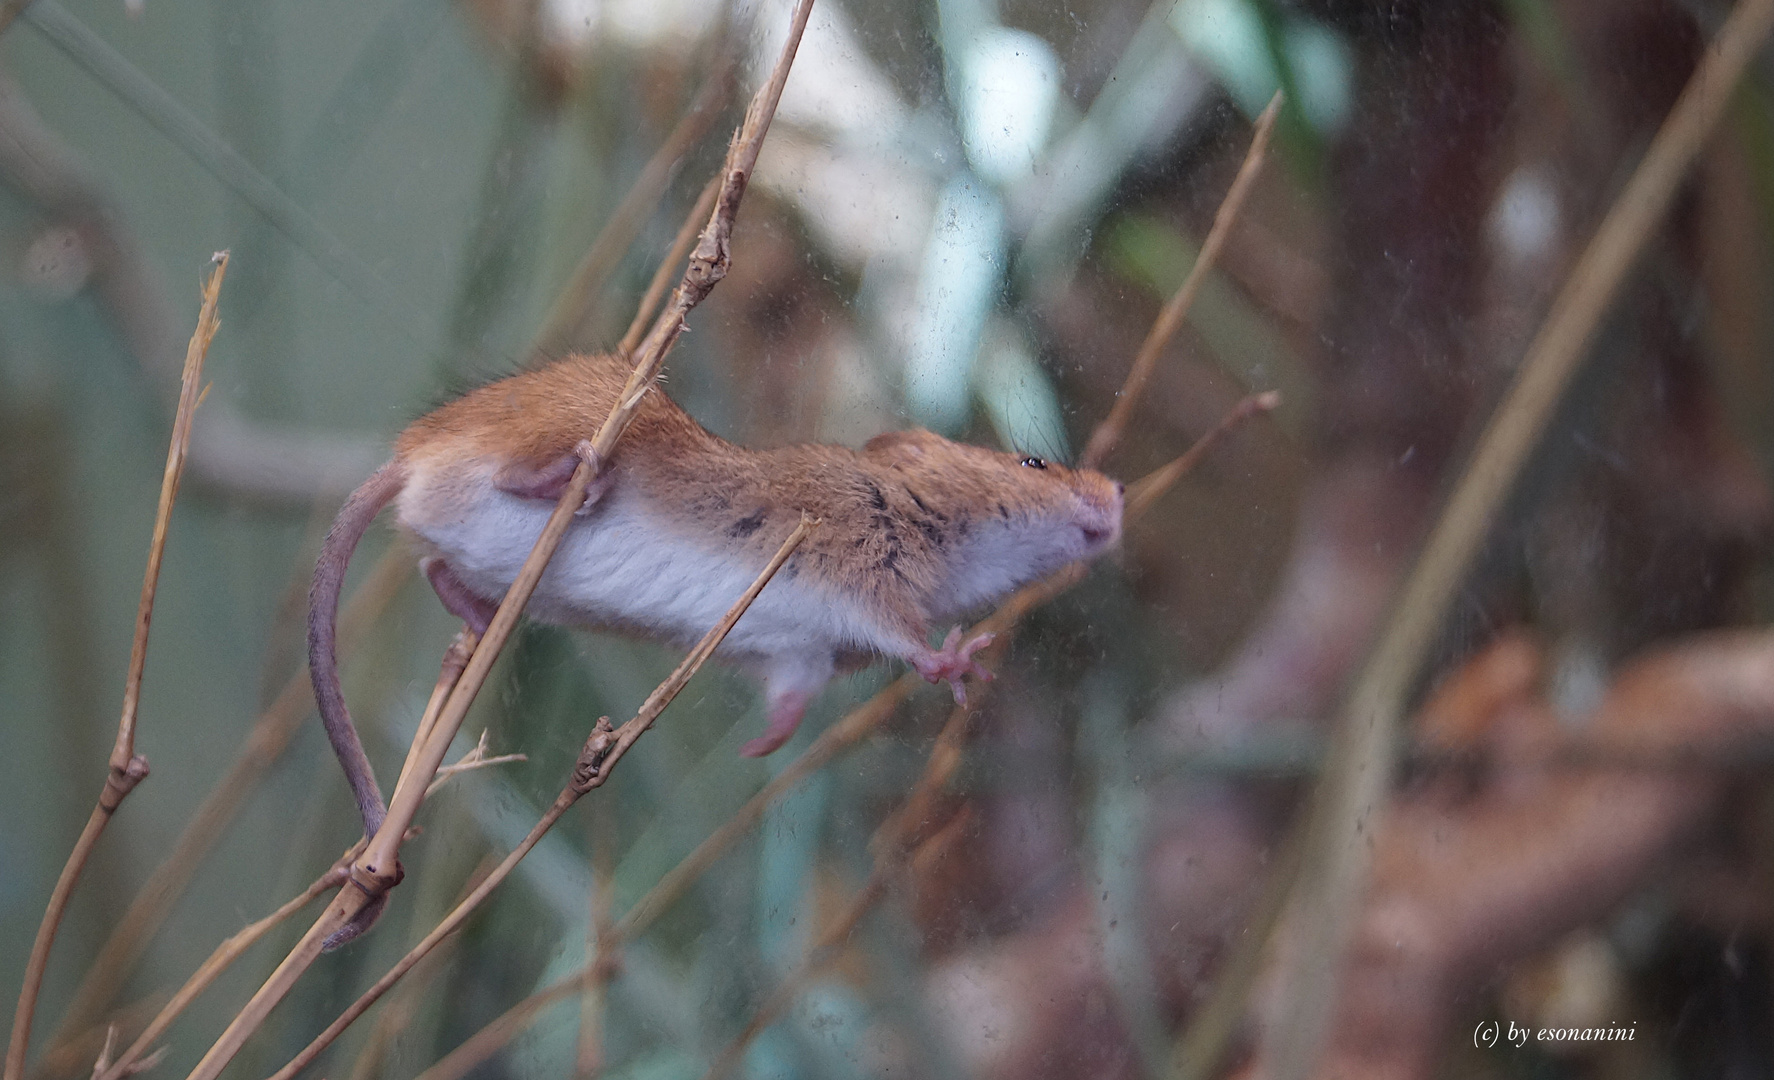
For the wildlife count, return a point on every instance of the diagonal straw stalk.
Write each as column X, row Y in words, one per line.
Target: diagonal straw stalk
column 603, row 749
column 377, row 869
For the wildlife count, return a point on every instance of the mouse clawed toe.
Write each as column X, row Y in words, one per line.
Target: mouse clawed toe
column 954, row 661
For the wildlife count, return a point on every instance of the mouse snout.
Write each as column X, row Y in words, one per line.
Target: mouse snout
column 1100, row 515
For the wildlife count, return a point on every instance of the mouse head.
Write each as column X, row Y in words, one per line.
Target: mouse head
column 1042, row 512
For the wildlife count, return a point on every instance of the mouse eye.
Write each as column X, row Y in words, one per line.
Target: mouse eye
column 1032, row 462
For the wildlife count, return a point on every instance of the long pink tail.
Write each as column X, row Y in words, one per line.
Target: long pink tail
column 323, row 615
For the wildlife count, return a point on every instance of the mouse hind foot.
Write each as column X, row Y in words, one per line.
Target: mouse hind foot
column 954, row 661
column 549, row 481
column 458, row 599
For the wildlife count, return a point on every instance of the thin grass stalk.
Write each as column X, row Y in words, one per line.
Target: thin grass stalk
column 1151, row 487
column 1362, row 762
column 455, row 660
column 270, row 736
column 566, row 319
column 680, row 247
column 588, row 1055
column 127, row 768
column 712, row 257
column 401, row 1010
column 236, row 946
column 1170, row 319
column 219, row 961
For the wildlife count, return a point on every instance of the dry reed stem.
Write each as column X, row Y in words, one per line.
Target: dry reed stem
column 680, row 247
column 1108, row 433
column 600, row 944
column 236, row 946
column 709, row 262
column 455, row 660
column 1360, row 770
column 270, row 736
column 604, row 747
column 72, row 1057
column 1150, row 488
column 219, row 961
column 404, row 1006
column 377, row 870
column 852, row 728
column 127, row 768
column 567, row 318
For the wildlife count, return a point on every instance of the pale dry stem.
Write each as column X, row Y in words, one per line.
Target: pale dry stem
column 566, row 320
column 403, row 1007
column 709, row 262
column 270, row 736
column 127, row 768
column 1360, row 771
column 236, row 946
column 680, row 247
column 219, row 961
column 1108, row 433
column 603, row 749
column 449, row 672
column 1150, row 488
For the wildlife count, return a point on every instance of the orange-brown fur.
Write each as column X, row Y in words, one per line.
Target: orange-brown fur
column 887, row 512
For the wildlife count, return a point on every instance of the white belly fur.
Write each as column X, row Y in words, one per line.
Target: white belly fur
column 617, row 566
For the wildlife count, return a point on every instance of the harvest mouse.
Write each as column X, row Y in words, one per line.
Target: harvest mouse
column 914, row 530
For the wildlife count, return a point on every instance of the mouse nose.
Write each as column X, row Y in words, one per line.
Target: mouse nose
column 1120, row 488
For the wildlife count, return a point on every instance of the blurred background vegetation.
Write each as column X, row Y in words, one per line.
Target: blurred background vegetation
column 966, row 217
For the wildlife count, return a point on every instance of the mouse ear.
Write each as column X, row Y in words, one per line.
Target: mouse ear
column 898, row 445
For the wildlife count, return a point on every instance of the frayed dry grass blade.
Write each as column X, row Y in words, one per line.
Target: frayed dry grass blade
column 127, row 768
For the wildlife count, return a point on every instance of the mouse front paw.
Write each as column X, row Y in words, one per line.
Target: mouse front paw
column 953, row 662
